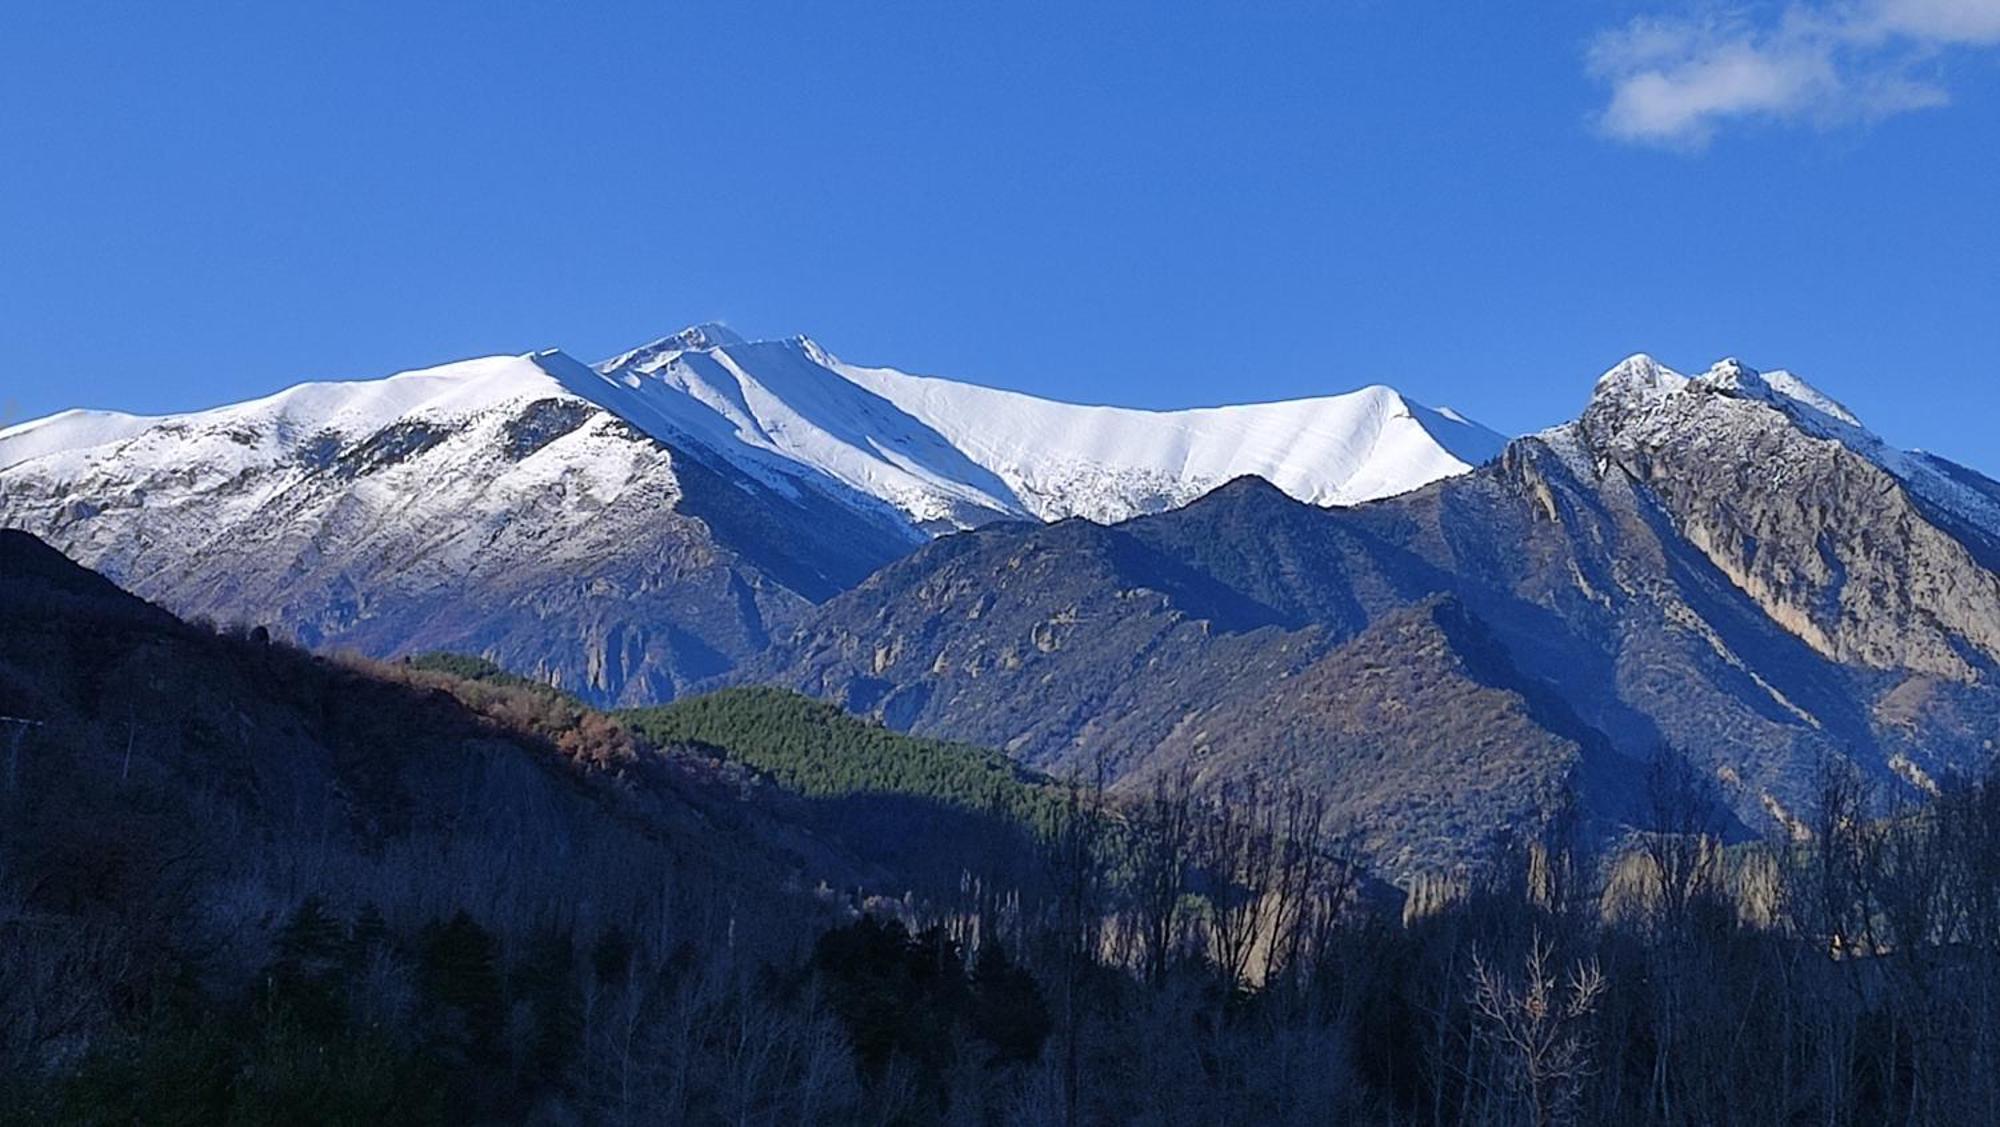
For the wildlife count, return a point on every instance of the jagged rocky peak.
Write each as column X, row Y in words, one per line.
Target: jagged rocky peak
column 1641, row 389
column 1641, row 380
column 1868, row 554
column 1732, row 376
column 1798, row 399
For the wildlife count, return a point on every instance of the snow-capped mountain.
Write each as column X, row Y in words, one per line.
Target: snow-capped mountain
column 1647, row 397
column 629, row 528
column 1728, row 563
column 1870, row 555
column 508, row 506
column 951, row 454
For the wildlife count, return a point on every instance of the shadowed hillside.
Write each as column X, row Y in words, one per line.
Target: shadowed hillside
column 360, row 882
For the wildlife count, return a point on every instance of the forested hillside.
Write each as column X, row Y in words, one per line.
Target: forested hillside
column 817, row 750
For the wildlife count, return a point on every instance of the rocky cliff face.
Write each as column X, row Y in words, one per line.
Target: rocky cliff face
column 1851, row 549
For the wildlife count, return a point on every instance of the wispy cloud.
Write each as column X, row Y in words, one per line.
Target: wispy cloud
column 1675, row 80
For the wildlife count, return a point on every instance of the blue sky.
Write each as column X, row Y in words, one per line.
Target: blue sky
column 1482, row 204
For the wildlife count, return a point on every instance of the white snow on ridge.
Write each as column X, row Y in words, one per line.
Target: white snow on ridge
column 917, row 453
column 1108, row 463
column 425, row 467
column 259, row 430
column 1803, row 393
column 951, row 454
column 1638, row 377
column 1640, row 383
column 772, row 405
column 931, row 452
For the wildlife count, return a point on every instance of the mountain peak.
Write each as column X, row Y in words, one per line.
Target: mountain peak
column 1802, row 402
column 702, row 337
column 1641, row 408
column 1639, row 382
column 814, row 351
column 1638, row 376
column 707, row 334
column 1730, row 369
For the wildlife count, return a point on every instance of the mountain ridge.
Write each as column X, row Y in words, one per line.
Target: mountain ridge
column 624, row 530
column 1703, row 567
column 1728, row 565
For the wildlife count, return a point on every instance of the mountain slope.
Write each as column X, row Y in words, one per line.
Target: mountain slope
column 1721, row 565
column 496, row 506
column 241, row 883
column 1418, row 733
column 1866, row 554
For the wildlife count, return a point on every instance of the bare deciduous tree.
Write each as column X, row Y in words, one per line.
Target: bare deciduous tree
column 1162, row 849
column 1539, row 1028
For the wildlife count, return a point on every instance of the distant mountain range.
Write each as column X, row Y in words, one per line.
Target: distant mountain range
column 1442, row 632
column 629, row 529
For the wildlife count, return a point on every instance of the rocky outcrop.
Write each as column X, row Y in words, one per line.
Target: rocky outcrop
column 1803, row 511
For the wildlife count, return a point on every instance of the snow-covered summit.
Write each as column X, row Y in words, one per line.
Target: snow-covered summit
column 708, row 334
column 1641, row 401
column 950, row 454
column 262, row 431
column 1640, row 379
column 1637, row 377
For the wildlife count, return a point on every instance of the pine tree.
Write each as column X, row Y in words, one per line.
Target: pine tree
column 1007, row 1010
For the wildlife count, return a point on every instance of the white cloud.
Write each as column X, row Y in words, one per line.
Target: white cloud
column 1675, row 80
column 1975, row 22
